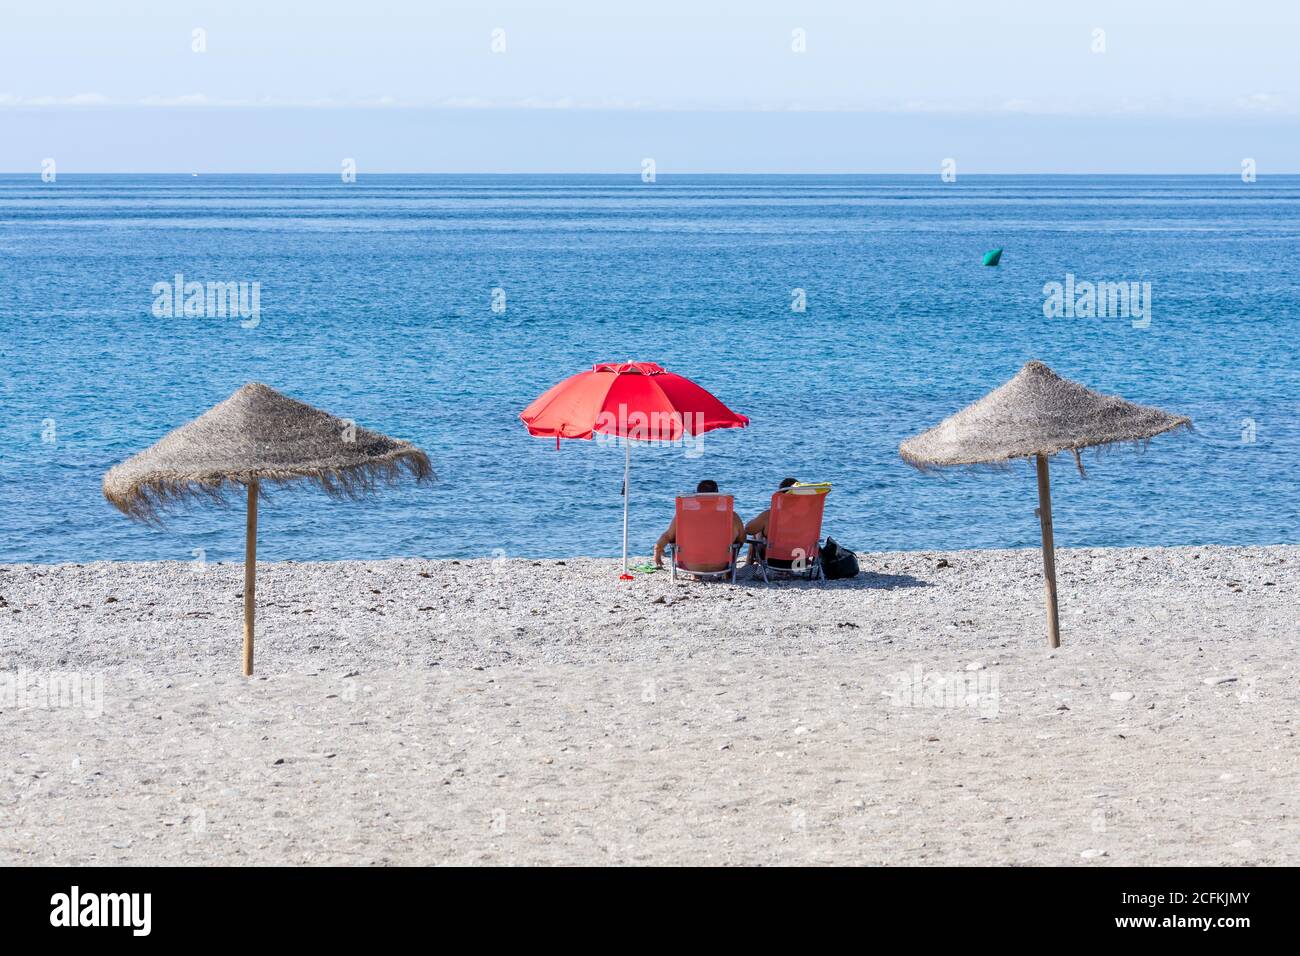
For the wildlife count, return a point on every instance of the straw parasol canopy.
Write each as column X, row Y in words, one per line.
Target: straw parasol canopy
column 1036, row 415
column 258, row 435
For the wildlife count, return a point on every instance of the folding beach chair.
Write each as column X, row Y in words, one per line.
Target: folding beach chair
column 794, row 530
column 706, row 535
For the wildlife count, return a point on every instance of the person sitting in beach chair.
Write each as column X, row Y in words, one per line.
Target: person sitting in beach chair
column 705, row 535
column 787, row 537
column 757, row 527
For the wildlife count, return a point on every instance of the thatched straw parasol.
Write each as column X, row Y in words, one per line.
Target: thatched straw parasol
column 258, row 435
column 1036, row 415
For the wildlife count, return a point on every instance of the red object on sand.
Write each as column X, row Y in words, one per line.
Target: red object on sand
column 706, row 534
column 794, row 531
column 636, row 401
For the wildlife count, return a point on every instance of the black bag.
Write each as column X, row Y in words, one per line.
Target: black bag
column 838, row 562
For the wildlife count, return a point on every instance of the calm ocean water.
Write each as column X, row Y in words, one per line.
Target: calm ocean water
column 375, row 304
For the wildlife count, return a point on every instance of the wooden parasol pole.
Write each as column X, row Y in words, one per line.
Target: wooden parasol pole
column 250, row 576
column 627, row 471
column 1049, row 551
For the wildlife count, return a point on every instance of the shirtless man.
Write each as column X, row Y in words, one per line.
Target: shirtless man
column 706, row 487
column 757, row 528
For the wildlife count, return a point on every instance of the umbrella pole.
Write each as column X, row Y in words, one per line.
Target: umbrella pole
column 627, row 470
column 250, row 576
column 1049, row 551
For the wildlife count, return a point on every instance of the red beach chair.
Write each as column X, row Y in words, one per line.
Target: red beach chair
column 706, row 536
column 794, row 532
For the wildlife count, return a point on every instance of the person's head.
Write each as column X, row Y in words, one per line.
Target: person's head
column 707, row 487
column 788, row 483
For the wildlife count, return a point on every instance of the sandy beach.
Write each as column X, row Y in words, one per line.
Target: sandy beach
column 520, row 711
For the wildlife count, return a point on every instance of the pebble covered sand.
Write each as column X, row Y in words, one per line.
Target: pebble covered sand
column 518, row 711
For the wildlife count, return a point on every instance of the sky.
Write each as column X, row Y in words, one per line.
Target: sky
column 586, row 86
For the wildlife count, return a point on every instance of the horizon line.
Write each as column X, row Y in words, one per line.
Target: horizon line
column 805, row 174
column 333, row 175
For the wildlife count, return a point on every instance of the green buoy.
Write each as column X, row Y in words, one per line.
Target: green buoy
column 991, row 258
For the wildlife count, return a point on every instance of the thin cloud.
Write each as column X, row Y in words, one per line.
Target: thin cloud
column 78, row 99
column 1251, row 104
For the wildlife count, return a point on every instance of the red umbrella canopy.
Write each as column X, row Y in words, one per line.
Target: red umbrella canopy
column 636, row 400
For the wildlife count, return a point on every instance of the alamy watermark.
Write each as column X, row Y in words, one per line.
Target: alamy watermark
column 75, row 908
column 665, row 429
column 975, row 690
column 1084, row 299
column 49, row 690
column 208, row 300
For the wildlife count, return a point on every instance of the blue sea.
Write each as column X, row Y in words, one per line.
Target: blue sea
column 376, row 303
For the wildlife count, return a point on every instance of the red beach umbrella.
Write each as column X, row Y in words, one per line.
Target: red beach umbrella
column 636, row 401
